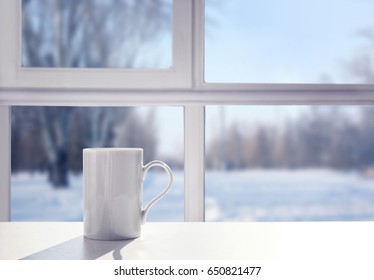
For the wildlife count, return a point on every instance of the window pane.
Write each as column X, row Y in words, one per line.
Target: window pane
column 290, row 163
column 290, row 41
column 47, row 143
column 99, row 34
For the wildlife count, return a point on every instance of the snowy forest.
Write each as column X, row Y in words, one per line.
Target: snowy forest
column 332, row 137
column 51, row 139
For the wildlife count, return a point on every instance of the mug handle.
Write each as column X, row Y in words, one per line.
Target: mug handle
column 167, row 188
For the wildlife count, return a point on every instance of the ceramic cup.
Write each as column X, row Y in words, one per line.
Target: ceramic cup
column 113, row 192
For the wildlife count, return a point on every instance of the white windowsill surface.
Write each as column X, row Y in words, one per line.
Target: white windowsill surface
column 192, row 241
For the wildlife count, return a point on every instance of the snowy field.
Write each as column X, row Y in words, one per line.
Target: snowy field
column 263, row 195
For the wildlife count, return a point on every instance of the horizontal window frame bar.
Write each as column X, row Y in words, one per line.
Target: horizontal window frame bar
column 135, row 97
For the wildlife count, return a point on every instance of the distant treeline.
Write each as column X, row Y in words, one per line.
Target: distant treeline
column 326, row 136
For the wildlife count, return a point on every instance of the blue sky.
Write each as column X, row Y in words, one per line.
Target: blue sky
column 289, row 41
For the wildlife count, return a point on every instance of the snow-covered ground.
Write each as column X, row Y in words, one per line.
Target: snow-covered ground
column 304, row 195
column 33, row 199
column 259, row 195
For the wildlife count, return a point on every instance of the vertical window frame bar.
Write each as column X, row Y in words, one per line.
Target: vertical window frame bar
column 198, row 44
column 5, row 169
column 194, row 163
column 194, row 126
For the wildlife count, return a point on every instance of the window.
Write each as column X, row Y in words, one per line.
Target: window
column 190, row 81
column 289, row 163
column 47, row 143
column 61, row 63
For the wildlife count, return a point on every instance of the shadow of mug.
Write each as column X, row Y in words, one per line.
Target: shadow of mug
column 81, row 248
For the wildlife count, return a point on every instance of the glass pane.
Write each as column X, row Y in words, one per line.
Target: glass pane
column 47, row 143
column 99, row 34
column 290, row 163
column 289, row 41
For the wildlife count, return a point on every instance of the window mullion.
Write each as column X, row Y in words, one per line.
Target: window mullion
column 194, row 127
column 5, row 126
column 194, row 162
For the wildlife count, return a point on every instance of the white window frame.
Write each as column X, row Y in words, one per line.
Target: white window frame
column 183, row 85
column 13, row 75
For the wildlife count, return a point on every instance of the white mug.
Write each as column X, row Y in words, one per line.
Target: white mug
column 113, row 192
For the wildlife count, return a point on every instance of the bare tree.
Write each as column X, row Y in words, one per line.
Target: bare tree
column 27, row 149
column 361, row 65
column 139, row 133
column 56, row 125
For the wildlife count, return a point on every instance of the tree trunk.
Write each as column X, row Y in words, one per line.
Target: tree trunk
column 58, row 170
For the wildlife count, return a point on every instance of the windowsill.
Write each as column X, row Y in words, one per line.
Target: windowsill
column 265, row 241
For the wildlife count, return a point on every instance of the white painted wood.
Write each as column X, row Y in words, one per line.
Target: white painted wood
column 194, row 162
column 8, row 39
column 97, row 97
column 198, row 43
column 4, row 163
column 194, row 129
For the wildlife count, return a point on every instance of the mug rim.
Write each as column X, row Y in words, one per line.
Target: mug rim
column 112, row 149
